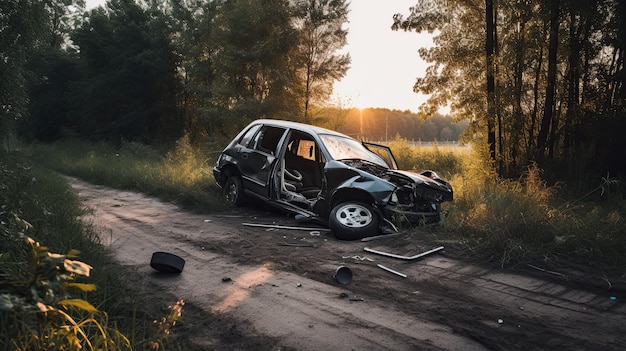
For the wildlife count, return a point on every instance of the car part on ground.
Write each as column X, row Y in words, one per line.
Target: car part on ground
column 409, row 258
column 167, row 262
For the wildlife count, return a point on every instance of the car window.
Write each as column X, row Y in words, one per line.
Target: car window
column 247, row 137
column 306, row 149
column 267, row 139
column 342, row 148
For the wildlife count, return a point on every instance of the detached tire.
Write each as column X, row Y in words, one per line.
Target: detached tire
column 167, row 262
column 233, row 192
column 353, row 220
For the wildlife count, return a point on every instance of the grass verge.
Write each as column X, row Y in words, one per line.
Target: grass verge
column 59, row 289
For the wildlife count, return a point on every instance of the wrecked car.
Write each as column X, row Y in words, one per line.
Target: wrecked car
column 353, row 187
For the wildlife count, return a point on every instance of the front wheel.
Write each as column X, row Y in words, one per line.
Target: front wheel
column 233, row 191
column 353, row 220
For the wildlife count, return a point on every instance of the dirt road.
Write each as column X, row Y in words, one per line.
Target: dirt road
column 273, row 289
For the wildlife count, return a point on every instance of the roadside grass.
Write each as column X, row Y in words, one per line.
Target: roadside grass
column 50, row 263
column 182, row 175
column 525, row 222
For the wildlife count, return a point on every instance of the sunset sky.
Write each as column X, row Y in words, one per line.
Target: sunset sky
column 385, row 63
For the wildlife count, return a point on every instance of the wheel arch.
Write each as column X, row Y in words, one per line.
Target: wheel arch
column 228, row 171
column 351, row 194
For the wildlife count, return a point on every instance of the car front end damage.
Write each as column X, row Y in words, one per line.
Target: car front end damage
column 401, row 197
column 417, row 197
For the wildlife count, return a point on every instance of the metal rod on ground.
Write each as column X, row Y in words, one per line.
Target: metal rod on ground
column 391, row 270
column 283, row 227
column 386, row 236
column 404, row 257
column 296, row 244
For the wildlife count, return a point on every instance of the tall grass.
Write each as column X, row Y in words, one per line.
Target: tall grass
column 183, row 174
column 524, row 221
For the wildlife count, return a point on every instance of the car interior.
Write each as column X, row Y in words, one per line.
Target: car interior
column 302, row 166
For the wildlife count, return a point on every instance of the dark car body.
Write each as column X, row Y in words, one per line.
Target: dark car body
column 354, row 187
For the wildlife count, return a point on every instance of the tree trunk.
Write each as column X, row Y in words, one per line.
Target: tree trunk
column 573, row 76
column 490, row 29
column 551, row 82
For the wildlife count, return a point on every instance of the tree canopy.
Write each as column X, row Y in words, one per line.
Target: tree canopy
column 557, row 79
column 151, row 70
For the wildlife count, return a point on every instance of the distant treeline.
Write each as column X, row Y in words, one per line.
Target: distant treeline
column 379, row 124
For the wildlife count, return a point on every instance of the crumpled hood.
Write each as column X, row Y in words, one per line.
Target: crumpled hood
column 428, row 180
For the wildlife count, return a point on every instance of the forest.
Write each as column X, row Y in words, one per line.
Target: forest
column 535, row 81
column 541, row 81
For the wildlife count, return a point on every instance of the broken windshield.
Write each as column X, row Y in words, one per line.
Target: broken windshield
column 342, row 148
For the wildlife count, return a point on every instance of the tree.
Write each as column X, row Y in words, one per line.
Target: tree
column 490, row 33
column 253, row 40
column 557, row 95
column 320, row 23
column 129, row 85
column 192, row 35
column 548, row 113
column 26, row 27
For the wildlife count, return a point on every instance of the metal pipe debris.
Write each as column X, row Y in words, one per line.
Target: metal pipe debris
column 283, row 227
column 404, row 257
column 385, row 236
column 391, row 270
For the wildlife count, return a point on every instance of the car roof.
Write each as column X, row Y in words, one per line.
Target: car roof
column 299, row 126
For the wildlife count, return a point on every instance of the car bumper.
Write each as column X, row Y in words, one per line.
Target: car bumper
column 217, row 174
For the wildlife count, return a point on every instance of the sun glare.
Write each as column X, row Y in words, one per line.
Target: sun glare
column 241, row 288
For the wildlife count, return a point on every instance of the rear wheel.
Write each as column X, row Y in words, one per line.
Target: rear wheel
column 353, row 220
column 233, row 191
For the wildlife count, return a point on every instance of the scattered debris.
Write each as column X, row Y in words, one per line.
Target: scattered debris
column 167, row 262
column 359, row 258
column 546, row 271
column 226, row 279
column 343, row 275
column 207, row 221
column 297, row 244
column 357, row 299
column 276, row 226
column 404, row 257
column 391, row 270
column 386, row 236
column 315, row 233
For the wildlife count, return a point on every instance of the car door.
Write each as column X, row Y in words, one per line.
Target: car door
column 258, row 159
column 383, row 152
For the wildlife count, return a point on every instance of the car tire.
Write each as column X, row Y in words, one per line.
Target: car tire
column 167, row 262
column 233, row 191
column 353, row 220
